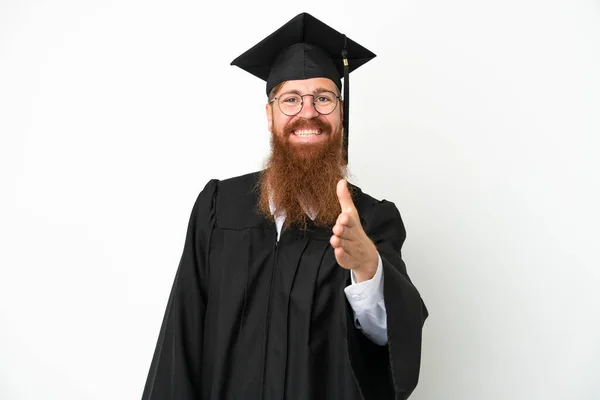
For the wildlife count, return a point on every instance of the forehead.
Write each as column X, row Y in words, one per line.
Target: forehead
column 309, row 85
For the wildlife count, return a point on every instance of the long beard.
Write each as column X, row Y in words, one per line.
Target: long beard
column 301, row 178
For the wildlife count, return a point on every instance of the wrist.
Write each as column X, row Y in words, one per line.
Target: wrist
column 366, row 271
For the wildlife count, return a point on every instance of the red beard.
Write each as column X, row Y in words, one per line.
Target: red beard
column 302, row 177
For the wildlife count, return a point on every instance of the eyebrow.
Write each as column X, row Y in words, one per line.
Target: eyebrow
column 317, row 90
column 323, row 89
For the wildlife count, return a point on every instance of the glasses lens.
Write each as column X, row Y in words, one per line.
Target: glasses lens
column 325, row 102
column 290, row 103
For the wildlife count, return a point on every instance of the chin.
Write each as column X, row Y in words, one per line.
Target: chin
column 307, row 150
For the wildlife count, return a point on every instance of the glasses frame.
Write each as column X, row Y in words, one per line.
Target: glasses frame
column 338, row 98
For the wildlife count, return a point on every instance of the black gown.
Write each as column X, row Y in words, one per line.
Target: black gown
column 252, row 318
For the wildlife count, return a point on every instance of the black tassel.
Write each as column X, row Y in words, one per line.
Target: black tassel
column 346, row 101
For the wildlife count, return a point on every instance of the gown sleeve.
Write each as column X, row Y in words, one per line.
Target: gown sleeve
column 366, row 300
column 175, row 368
column 390, row 371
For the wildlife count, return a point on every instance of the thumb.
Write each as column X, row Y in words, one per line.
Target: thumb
column 344, row 196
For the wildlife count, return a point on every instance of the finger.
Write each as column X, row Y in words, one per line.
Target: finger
column 338, row 230
column 346, row 219
column 344, row 196
column 342, row 257
column 335, row 241
column 344, row 232
column 339, row 243
column 339, row 255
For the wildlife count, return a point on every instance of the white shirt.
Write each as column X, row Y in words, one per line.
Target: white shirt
column 365, row 298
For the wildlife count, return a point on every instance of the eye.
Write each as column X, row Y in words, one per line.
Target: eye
column 290, row 99
column 324, row 98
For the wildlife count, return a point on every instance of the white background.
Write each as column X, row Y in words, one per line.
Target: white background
column 479, row 119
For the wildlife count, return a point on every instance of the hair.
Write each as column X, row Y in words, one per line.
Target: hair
column 274, row 91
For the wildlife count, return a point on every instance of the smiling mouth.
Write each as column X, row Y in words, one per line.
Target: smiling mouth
column 307, row 132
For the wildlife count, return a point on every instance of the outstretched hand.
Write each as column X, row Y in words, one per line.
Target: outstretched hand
column 352, row 247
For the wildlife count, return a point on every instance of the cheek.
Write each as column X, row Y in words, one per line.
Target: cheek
column 279, row 123
column 335, row 122
column 335, row 118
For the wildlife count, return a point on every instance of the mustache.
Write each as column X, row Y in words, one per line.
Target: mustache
column 324, row 126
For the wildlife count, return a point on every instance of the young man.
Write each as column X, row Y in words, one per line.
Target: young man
column 291, row 284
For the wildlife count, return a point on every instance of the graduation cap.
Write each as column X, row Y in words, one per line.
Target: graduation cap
column 306, row 48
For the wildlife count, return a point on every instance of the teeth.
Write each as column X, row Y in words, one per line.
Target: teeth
column 308, row 132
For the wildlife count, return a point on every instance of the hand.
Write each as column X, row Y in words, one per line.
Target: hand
column 352, row 247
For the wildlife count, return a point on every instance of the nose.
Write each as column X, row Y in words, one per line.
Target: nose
column 308, row 108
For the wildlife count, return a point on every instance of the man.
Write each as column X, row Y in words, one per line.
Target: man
column 291, row 284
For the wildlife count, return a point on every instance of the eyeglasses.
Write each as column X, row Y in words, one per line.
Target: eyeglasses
column 291, row 103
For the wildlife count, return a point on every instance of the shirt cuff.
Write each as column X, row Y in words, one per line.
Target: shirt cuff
column 366, row 294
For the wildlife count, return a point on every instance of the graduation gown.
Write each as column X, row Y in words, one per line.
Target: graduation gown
column 250, row 317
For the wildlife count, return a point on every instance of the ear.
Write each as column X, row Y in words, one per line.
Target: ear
column 269, row 111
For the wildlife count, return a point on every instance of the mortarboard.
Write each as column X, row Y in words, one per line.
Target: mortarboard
column 306, row 48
